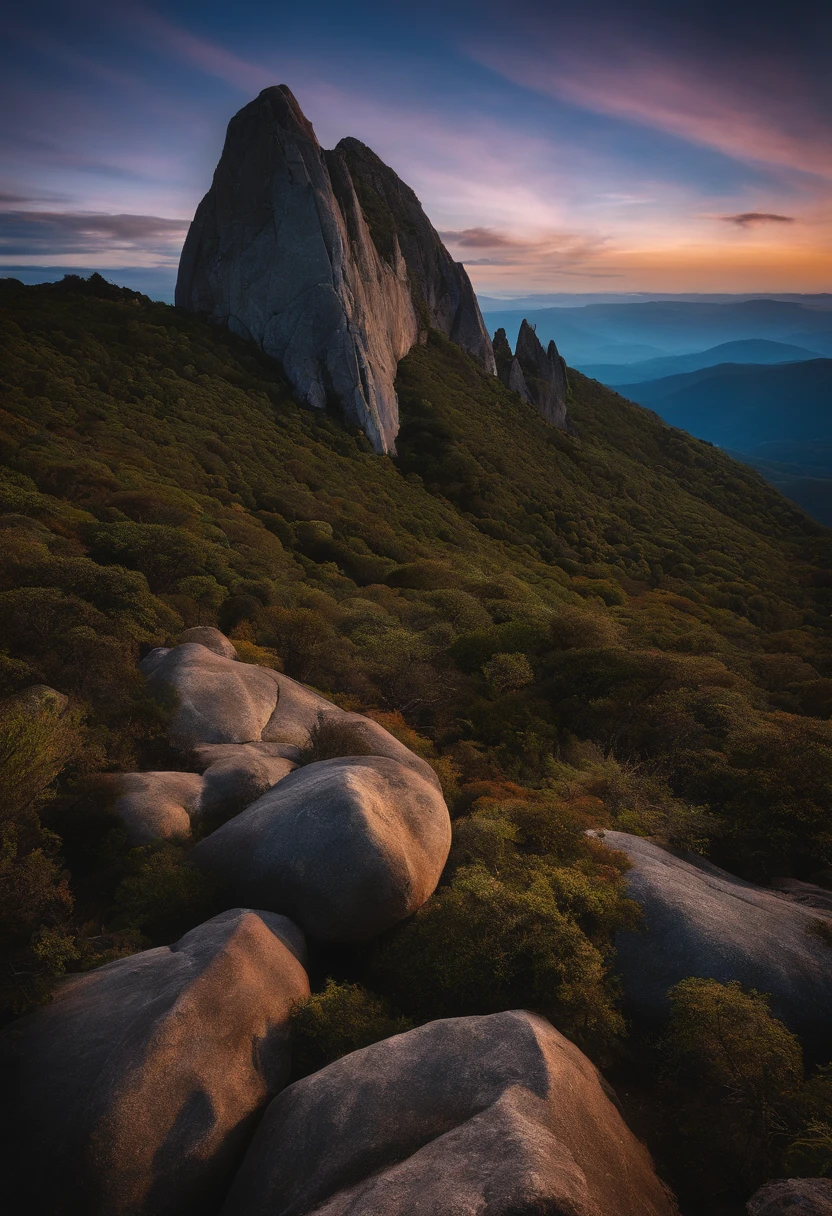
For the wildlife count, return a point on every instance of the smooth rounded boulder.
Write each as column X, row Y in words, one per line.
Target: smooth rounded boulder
column 157, row 806
column 346, row 847
column 701, row 921
column 238, row 775
column 218, row 699
column 793, row 1197
column 135, row 1091
column 212, row 639
column 498, row 1115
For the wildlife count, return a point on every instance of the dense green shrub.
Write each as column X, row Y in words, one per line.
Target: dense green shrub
column 733, row 1073
column 342, row 1018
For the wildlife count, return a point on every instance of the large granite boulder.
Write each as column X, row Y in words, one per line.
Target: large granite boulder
column 222, row 702
column 346, row 847
column 219, row 700
column 136, row 1090
column 806, row 893
column 237, row 775
column 212, row 639
column 701, row 921
column 281, row 251
column 158, row 806
column 793, row 1197
column 496, row 1115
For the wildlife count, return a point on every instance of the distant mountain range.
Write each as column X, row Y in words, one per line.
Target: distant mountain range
column 778, row 419
column 629, row 333
column 750, row 350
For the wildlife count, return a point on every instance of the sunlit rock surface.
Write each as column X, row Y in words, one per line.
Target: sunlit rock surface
column 325, row 260
column 499, row 1115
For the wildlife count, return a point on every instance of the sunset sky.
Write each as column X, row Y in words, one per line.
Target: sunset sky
column 595, row 147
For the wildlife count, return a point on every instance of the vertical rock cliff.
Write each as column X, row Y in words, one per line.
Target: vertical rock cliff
column 538, row 376
column 327, row 261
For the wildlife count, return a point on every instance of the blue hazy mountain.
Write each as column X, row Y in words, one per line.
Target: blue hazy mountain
column 629, row 333
column 776, row 418
column 749, row 350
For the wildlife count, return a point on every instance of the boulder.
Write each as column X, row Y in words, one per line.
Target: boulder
column 793, row 1197
column 701, row 921
column 218, row 699
column 806, row 893
column 233, row 781
column 136, row 1090
column 498, row 1115
column 158, row 806
column 212, row 639
column 346, row 847
column 325, row 260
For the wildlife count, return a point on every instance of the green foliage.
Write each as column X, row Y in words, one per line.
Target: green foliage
column 732, row 1071
column 37, row 739
column 331, row 737
column 525, row 920
column 342, row 1018
column 164, row 895
column 508, row 672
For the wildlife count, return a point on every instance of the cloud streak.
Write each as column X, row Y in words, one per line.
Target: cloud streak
column 726, row 110
column 50, row 233
column 750, row 219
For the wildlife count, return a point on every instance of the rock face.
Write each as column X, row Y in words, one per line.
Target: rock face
column 326, row 261
column 806, row 893
column 496, row 1115
column 136, row 1089
column 347, row 847
column 212, row 639
column 220, row 700
column 158, row 806
column 238, row 775
column 702, row 921
column 538, row 376
column 793, row 1197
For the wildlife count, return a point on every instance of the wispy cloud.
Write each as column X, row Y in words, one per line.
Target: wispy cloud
column 49, row 233
column 723, row 110
column 539, row 255
column 750, row 219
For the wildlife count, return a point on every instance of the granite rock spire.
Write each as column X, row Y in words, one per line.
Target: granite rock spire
column 326, row 261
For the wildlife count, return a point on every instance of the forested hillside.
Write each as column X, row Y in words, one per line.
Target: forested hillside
column 618, row 627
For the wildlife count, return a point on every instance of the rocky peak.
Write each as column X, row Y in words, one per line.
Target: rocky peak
column 327, row 261
column 538, row 376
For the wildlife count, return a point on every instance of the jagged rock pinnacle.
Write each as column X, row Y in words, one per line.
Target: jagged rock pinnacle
column 538, row 376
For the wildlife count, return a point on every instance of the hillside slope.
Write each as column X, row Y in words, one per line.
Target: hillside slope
column 620, row 627
column 641, row 590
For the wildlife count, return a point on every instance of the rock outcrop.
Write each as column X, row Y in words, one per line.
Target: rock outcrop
column 222, row 702
column 219, row 700
column 346, row 847
column 136, row 1089
column 538, row 376
column 793, row 1197
column 325, row 260
column 806, row 893
column 158, row 806
column 498, row 1115
column 237, row 775
column 701, row 921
